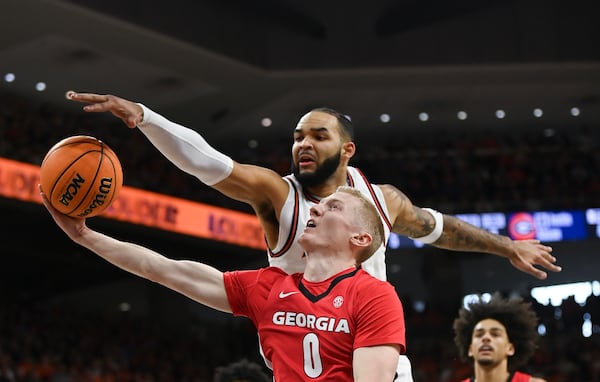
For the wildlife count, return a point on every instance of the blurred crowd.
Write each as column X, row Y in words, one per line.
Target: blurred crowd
column 479, row 171
column 48, row 343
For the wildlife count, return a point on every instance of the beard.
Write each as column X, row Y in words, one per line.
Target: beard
column 486, row 362
column 323, row 172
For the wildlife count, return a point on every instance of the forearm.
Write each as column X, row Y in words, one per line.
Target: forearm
column 130, row 257
column 199, row 282
column 461, row 236
column 376, row 363
column 185, row 148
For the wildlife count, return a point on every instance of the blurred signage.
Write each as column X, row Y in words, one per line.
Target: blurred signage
column 546, row 226
column 20, row 181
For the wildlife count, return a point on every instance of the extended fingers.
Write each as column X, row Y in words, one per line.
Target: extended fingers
column 87, row 97
column 538, row 273
column 547, row 261
column 534, row 255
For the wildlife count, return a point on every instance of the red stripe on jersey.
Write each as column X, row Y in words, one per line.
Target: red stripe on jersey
column 290, row 240
column 376, row 200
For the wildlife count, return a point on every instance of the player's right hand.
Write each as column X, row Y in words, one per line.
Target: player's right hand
column 129, row 112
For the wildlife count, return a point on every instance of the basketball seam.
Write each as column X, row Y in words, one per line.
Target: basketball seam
column 101, row 151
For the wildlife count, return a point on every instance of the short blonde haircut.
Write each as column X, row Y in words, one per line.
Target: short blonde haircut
column 368, row 219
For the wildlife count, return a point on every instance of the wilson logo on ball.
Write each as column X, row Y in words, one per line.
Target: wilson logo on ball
column 98, row 202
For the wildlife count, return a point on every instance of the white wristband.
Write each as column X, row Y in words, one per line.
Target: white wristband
column 185, row 148
column 438, row 229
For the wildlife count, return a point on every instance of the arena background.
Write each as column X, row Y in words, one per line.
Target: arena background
column 221, row 67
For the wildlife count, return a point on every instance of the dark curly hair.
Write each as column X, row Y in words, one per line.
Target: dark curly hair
column 515, row 314
column 241, row 371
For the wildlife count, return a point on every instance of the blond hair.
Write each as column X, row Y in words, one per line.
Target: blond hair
column 367, row 218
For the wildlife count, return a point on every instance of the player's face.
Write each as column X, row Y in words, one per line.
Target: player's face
column 490, row 344
column 331, row 223
column 317, row 149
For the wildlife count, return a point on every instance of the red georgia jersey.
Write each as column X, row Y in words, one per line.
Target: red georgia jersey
column 310, row 330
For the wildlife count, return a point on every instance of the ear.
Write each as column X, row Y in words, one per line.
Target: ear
column 470, row 352
column 510, row 351
column 361, row 239
column 348, row 149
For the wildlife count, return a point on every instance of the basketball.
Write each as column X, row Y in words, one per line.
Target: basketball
column 81, row 176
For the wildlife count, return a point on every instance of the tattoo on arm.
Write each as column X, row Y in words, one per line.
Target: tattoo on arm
column 410, row 220
column 459, row 235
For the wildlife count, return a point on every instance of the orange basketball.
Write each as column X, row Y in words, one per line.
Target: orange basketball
column 81, row 176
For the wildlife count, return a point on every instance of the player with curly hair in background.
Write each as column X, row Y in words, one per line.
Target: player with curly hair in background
column 498, row 336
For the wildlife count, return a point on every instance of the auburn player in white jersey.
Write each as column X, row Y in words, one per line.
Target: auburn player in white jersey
column 334, row 322
column 323, row 146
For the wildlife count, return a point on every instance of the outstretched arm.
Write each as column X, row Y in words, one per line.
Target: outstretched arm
column 189, row 151
column 197, row 281
column 412, row 221
column 263, row 189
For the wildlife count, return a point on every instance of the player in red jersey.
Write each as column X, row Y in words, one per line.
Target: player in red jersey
column 499, row 336
column 334, row 322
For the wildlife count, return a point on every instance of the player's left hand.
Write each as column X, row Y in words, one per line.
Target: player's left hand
column 530, row 253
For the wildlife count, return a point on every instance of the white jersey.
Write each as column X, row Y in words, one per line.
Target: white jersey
column 289, row 256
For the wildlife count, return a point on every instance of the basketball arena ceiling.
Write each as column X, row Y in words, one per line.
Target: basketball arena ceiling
column 221, row 66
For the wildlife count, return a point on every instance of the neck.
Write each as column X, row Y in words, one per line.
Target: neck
column 319, row 268
column 497, row 373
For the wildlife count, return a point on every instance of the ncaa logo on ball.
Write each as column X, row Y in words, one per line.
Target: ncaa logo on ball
column 72, row 189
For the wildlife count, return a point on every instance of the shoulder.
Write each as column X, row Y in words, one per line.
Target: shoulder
column 372, row 285
column 274, row 272
column 391, row 191
column 362, row 274
column 256, row 275
column 519, row 376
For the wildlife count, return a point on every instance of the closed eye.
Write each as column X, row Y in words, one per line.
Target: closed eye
column 335, row 206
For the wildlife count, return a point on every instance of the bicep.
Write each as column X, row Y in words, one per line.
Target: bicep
column 407, row 219
column 254, row 185
column 375, row 363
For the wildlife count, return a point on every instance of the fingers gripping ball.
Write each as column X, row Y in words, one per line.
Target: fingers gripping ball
column 81, row 176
